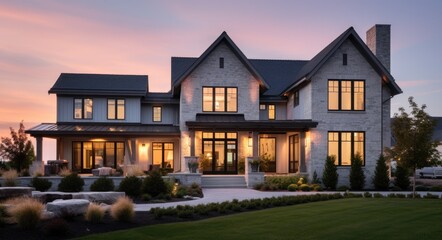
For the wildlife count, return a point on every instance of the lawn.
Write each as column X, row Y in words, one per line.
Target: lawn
column 355, row 218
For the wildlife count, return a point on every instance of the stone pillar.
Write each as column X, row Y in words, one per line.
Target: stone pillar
column 37, row 167
column 192, row 142
column 255, row 144
column 39, row 148
column 302, row 165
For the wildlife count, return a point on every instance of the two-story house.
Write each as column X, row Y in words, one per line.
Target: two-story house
column 226, row 107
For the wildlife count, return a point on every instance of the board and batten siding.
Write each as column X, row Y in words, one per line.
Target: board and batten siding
column 65, row 110
column 169, row 114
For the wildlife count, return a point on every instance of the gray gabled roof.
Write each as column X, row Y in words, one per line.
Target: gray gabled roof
column 223, row 38
column 100, row 84
column 318, row 61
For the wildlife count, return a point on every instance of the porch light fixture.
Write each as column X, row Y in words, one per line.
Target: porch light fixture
column 250, row 139
column 143, row 145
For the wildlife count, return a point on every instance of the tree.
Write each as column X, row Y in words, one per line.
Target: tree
column 413, row 133
column 18, row 149
column 330, row 174
column 357, row 177
column 381, row 181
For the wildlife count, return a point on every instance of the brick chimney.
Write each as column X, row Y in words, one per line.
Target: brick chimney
column 378, row 40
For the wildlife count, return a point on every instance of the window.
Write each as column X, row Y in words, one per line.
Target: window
column 82, row 108
column 343, row 145
column 221, row 62
column 163, row 155
column 267, row 151
column 156, row 114
column 344, row 59
column 346, row 95
column 116, row 109
column 89, row 155
column 295, row 98
column 262, row 107
column 272, row 114
column 220, row 99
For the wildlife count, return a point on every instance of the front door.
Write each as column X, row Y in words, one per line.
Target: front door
column 294, row 153
column 220, row 153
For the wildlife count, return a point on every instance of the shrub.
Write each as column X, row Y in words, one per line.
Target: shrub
column 241, row 165
column 64, row 172
column 436, row 188
column 41, row 184
column 402, row 178
column 304, row 187
column 395, row 189
column 421, row 188
column 357, row 177
column 368, row 195
column 102, row 184
column 381, row 180
column 431, row 196
column 27, row 212
column 378, row 195
column 56, row 227
column 281, row 182
column 154, row 184
column 146, row 197
column 131, row 185
column 122, row 209
column 9, row 178
column 292, row 187
column 330, row 174
column 94, row 213
column 343, row 188
column 315, row 179
column 71, row 183
column 317, row 188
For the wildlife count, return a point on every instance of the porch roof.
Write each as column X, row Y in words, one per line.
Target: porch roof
column 237, row 122
column 97, row 130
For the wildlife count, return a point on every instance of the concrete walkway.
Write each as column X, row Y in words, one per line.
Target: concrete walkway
column 213, row 195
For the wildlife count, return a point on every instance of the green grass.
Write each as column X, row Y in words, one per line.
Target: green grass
column 337, row 219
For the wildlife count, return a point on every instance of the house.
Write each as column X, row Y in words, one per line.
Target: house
column 226, row 107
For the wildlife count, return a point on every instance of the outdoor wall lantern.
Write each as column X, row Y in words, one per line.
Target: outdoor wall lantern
column 250, row 139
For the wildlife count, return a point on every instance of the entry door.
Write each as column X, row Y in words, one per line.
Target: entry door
column 294, row 153
column 221, row 157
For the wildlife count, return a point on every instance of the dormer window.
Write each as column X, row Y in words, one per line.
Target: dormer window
column 220, row 99
column 83, row 108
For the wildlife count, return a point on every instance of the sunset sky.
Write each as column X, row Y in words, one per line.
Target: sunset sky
column 41, row 39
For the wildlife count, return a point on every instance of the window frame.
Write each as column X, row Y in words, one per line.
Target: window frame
column 338, row 159
column 116, row 108
column 271, row 110
column 153, row 114
column 352, row 95
column 83, row 117
column 213, row 88
column 296, row 98
column 163, row 155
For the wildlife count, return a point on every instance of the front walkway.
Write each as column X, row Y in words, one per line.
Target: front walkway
column 213, row 195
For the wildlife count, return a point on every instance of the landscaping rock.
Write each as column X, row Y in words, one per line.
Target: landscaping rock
column 46, row 215
column 105, row 206
column 101, row 197
column 49, row 197
column 71, row 207
column 12, row 192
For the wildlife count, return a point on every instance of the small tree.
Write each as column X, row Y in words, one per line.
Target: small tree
column 330, row 174
column 402, row 178
column 357, row 177
column 18, row 149
column 413, row 133
column 381, row 180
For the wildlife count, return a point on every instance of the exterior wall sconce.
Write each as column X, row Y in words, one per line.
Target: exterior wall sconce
column 250, row 139
column 143, row 145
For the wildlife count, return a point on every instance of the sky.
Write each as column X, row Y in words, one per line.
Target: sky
column 41, row 39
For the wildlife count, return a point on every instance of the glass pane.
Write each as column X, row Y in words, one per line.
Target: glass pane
column 157, row 149
column 346, row 148
column 219, row 100
column 99, row 154
column 359, row 144
column 168, row 155
column 120, row 153
column 208, row 99
column 88, row 108
column 267, row 151
column 87, row 155
column 358, row 95
column 220, row 135
column 333, row 95
column 208, row 154
column 333, row 146
column 207, row 135
column 110, row 155
column 157, row 114
column 231, row 155
column 271, row 111
column 111, row 108
column 346, row 95
column 76, row 163
column 231, row 135
column 219, row 156
column 78, row 108
column 121, row 109
column 231, row 99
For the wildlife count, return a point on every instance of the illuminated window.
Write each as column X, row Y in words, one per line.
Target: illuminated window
column 116, row 109
column 272, row 114
column 343, row 145
column 220, row 99
column 83, row 108
column 346, row 95
column 156, row 114
column 262, row 107
column 163, row 155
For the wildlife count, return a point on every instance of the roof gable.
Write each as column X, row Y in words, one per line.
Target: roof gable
column 223, row 38
column 100, row 84
column 319, row 60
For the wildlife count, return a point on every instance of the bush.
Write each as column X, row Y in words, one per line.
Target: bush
column 27, row 212
column 330, row 174
column 402, row 178
column 315, row 179
column 281, row 182
column 317, row 188
column 343, row 188
column 154, row 184
column 381, row 180
column 102, row 184
column 71, row 183
column 368, row 195
column 131, row 186
column 41, row 184
column 357, row 177
column 56, row 227
column 146, row 197
column 421, row 188
column 9, row 178
column 436, row 188
column 94, row 213
column 304, row 187
column 292, row 187
column 122, row 209
column 431, row 196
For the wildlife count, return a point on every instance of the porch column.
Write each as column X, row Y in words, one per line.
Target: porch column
column 39, row 148
column 192, row 142
column 255, row 144
column 302, row 167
